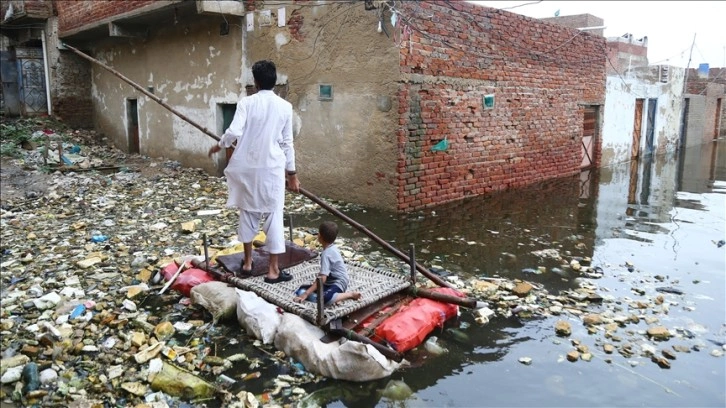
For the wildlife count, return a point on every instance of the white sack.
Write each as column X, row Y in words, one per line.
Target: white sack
column 257, row 316
column 352, row 360
column 217, row 297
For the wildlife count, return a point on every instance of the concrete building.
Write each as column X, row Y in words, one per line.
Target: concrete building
column 643, row 103
column 399, row 105
column 704, row 111
column 23, row 57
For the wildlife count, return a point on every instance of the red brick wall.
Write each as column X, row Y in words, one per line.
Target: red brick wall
column 540, row 73
column 697, row 85
column 27, row 8
column 76, row 14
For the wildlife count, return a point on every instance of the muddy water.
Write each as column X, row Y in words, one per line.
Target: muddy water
column 648, row 224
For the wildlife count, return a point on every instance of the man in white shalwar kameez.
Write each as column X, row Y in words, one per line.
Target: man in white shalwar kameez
column 263, row 157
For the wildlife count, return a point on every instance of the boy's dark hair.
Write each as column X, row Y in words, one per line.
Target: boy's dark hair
column 265, row 74
column 328, row 231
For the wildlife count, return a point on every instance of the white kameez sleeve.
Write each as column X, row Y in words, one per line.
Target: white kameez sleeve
column 235, row 129
column 287, row 142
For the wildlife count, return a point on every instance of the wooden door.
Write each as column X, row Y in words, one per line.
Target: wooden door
column 589, row 132
column 637, row 128
column 132, row 125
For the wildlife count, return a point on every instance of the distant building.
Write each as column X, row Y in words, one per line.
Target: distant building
column 643, row 104
column 704, row 111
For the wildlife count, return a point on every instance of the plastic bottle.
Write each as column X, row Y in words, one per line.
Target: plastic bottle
column 96, row 236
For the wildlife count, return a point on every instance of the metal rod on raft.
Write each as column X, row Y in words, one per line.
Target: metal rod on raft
column 443, row 297
column 206, row 251
column 412, row 263
column 304, row 192
column 321, row 301
column 351, row 335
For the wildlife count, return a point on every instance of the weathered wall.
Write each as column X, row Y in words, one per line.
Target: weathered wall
column 37, row 9
column 619, row 117
column 626, row 53
column 541, row 75
column 704, row 93
column 78, row 15
column 190, row 67
column 346, row 147
column 70, row 87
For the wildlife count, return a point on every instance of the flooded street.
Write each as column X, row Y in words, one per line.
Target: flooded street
column 653, row 227
column 627, row 250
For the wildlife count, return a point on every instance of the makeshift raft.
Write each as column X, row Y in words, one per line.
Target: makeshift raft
column 384, row 294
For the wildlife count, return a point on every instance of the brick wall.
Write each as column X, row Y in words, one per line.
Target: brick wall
column 39, row 9
column 578, row 21
column 624, row 55
column 707, row 116
column 455, row 53
column 76, row 14
column 72, row 91
column 697, row 85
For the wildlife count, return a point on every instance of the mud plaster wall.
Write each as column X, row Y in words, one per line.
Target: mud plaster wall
column 191, row 68
column 541, row 75
column 345, row 147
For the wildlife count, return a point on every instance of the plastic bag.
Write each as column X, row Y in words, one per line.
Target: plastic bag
column 257, row 316
column 189, row 279
column 218, row 298
column 409, row 327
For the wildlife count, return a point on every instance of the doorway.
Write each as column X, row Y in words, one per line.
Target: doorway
column 637, row 128
column 589, row 136
column 717, row 119
column 226, row 111
column 650, row 129
column 684, row 122
column 132, row 125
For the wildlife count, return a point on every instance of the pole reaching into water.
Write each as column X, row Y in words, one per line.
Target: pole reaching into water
column 433, row 277
column 143, row 91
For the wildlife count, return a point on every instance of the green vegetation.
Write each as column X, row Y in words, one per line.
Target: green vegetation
column 16, row 134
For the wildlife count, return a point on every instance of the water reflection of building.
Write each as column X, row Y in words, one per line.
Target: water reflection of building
column 470, row 236
column 635, row 198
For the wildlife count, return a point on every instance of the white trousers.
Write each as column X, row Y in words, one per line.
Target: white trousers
column 274, row 228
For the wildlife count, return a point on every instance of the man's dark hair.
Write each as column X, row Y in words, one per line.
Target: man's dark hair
column 328, row 230
column 265, row 74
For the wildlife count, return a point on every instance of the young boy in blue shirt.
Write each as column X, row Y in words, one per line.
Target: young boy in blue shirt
column 333, row 272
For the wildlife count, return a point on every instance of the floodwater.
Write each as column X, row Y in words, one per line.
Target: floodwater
column 662, row 216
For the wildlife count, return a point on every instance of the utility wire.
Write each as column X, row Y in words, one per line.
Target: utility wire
column 521, row 5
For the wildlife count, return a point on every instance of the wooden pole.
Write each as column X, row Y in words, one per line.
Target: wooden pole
column 321, row 301
column 442, row 297
column 412, row 263
column 304, row 192
column 142, row 90
column 351, row 335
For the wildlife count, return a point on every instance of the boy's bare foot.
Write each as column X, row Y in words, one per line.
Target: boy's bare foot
column 355, row 295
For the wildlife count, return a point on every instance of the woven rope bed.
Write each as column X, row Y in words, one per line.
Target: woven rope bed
column 373, row 284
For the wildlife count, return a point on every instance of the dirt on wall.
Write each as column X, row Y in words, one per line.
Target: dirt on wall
column 346, row 146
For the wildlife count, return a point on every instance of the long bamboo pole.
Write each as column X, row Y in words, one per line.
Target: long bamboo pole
column 434, row 278
column 142, row 90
